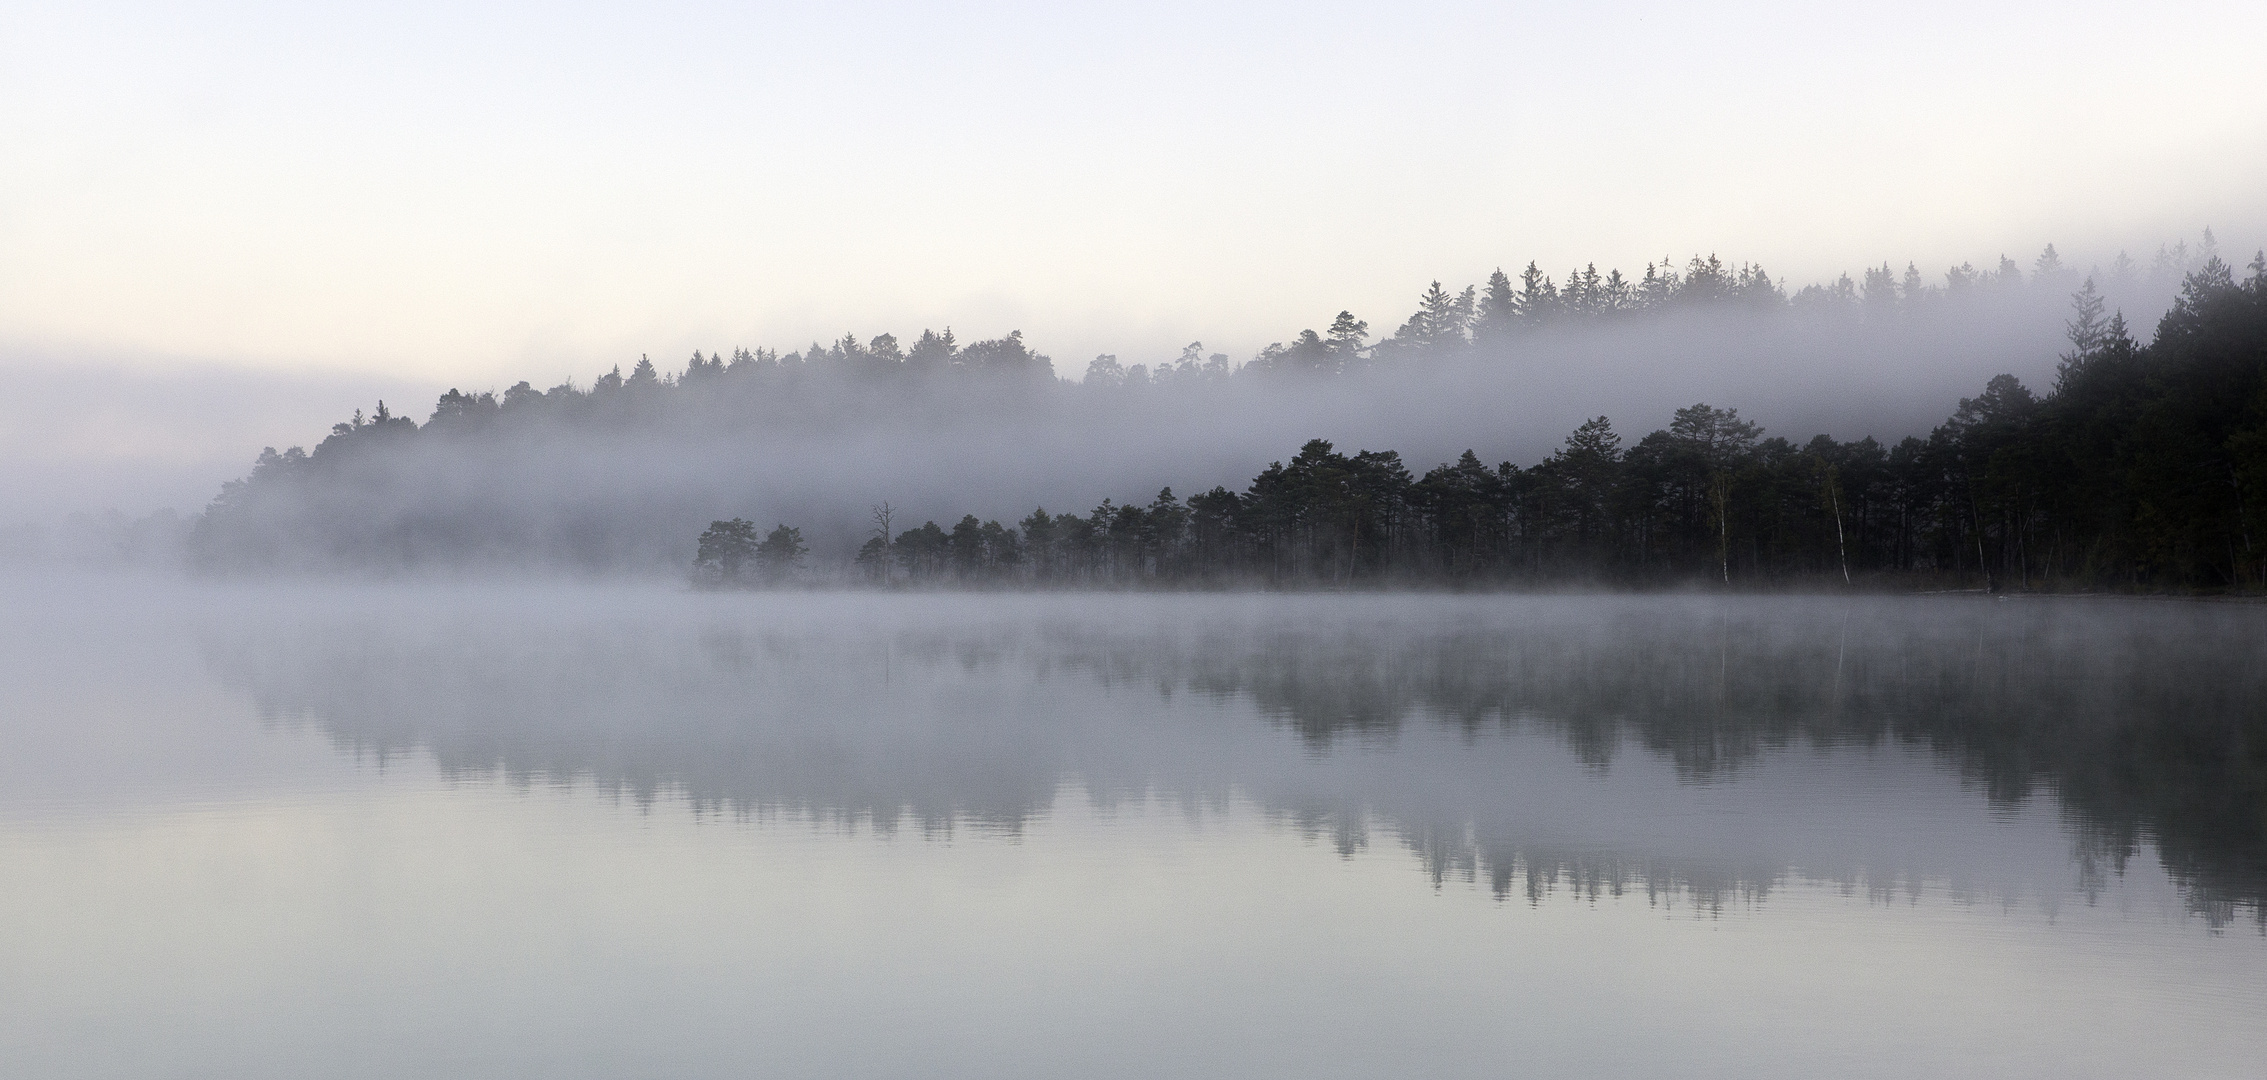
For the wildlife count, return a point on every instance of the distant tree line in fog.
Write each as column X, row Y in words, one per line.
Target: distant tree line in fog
column 1479, row 318
column 2143, row 467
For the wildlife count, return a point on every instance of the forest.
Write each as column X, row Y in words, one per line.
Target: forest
column 2143, row 467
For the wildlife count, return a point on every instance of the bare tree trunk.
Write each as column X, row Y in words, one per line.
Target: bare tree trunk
column 1976, row 515
column 881, row 518
column 1841, row 542
column 1720, row 493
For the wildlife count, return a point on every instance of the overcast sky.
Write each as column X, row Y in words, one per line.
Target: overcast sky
column 471, row 191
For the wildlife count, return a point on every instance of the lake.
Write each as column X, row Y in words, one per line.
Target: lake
column 618, row 830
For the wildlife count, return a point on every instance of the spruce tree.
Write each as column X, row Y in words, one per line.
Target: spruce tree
column 1498, row 311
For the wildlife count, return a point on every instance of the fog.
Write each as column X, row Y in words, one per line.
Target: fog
column 568, row 493
column 896, row 539
column 87, row 433
column 1705, row 748
column 271, row 829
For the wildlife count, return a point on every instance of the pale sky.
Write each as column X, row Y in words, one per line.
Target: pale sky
column 479, row 192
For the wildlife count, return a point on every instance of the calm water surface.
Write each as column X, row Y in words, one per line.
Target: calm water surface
column 589, row 831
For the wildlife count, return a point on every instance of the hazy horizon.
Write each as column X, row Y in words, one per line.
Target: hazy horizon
column 1016, row 540
column 457, row 193
column 243, row 223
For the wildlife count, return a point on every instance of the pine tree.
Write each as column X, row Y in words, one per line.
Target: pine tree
column 1436, row 318
column 1757, row 289
column 1707, row 282
column 1432, row 326
column 1722, row 442
column 1580, row 296
column 1880, row 292
column 781, row 551
column 1659, row 285
column 2010, row 275
column 1347, row 334
column 1498, row 311
column 724, row 549
column 1915, row 292
column 933, row 353
column 2088, row 332
column 1617, row 294
column 1105, row 371
column 1462, row 315
column 1538, row 298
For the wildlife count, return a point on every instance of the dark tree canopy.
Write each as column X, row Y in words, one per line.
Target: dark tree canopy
column 2145, row 468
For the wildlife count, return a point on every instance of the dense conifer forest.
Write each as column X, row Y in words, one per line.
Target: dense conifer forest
column 2143, row 467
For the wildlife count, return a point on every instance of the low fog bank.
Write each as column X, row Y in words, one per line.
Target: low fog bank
column 633, row 496
column 622, row 474
column 1605, row 743
column 111, row 457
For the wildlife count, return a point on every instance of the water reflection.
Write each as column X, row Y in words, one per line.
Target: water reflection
column 1690, row 747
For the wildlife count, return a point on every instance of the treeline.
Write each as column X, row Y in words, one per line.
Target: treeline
column 1494, row 316
column 614, row 475
column 1483, row 318
column 2144, row 467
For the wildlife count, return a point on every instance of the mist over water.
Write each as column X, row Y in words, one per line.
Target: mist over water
column 1495, row 736
column 1107, row 541
column 855, row 834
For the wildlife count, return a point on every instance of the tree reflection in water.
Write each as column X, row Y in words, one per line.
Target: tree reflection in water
column 2146, row 721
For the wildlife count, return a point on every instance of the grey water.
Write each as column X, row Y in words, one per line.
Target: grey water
column 616, row 830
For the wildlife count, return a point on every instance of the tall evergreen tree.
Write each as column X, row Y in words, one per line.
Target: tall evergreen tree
column 1538, row 297
column 1347, row 334
column 2087, row 330
column 1497, row 317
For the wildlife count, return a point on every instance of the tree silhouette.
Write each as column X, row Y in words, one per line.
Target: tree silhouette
column 726, row 548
